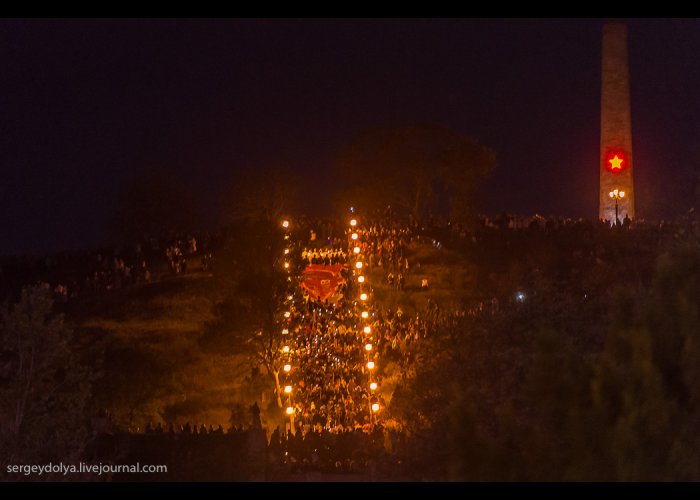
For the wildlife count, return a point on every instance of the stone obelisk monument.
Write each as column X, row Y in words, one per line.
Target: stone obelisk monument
column 615, row 128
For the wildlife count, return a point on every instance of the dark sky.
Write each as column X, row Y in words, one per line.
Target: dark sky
column 85, row 105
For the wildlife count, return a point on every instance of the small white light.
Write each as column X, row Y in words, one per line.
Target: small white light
column 285, row 223
column 353, row 236
column 353, row 222
column 287, row 314
column 287, row 368
column 365, row 314
column 358, row 265
column 286, row 251
column 373, row 386
column 287, row 389
column 370, row 365
column 368, row 347
column 285, row 348
column 360, row 279
column 368, row 329
column 290, row 410
column 285, row 331
column 363, row 296
column 356, row 250
column 375, row 407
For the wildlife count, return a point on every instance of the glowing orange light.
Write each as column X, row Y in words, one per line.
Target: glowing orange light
column 285, row 348
column 290, row 410
column 368, row 329
column 286, row 265
column 375, row 407
column 287, row 314
column 370, row 365
column 368, row 347
column 286, row 251
column 285, row 331
column 285, row 223
column 365, row 314
column 373, row 386
column 287, row 389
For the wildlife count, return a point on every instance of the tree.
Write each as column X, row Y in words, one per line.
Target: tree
column 249, row 322
column 261, row 195
column 43, row 388
column 153, row 203
column 249, row 319
column 408, row 166
column 646, row 381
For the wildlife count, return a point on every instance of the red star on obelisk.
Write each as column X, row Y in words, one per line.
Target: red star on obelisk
column 616, row 163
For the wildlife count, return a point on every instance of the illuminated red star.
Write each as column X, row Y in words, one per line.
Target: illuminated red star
column 615, row 163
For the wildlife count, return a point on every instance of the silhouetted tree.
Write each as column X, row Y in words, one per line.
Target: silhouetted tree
column 153, row 203
column 407, row 166
column 646, row 382
column 261, row 195
column 627, row 413
column 248, row 319
column 43, row 388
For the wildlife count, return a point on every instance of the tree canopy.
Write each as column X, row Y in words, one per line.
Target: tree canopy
column 43, row 388
column 154, row 203
column 261, row 194
column 415, row 168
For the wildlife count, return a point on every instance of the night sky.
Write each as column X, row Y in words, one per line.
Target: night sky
column 85, row 105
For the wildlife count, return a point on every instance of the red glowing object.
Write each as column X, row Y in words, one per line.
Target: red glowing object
column 321, row 281
column 616, row 162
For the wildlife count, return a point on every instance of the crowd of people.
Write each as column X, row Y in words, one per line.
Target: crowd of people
column 329, row 390
column 348, row 451
column 71, row 274
column 326, row 256
column 185, row 429
column 385, row 246
column 318, row 450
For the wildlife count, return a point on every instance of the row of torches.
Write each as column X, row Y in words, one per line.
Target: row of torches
column 363, row 287
column 356, row 261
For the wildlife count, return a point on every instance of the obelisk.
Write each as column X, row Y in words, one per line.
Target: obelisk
column 616, row 181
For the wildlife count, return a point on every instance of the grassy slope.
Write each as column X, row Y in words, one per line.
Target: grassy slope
column 152, row 368
column 450, row 276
